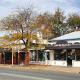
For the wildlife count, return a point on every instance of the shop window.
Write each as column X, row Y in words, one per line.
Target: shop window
column 8, row 55
column 78, row 55
column 41, row 56
column 23, row 55
column 33, row 56
column 60, row 55
column 48, row 56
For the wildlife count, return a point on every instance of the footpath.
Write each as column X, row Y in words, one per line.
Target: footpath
column 43, row 67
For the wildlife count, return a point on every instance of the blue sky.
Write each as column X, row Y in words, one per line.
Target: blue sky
column 68, row 6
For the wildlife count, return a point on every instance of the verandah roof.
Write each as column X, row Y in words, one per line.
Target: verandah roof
column 70, row 36
column 63, row 46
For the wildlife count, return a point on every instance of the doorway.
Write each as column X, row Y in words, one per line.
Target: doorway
column 69, row 61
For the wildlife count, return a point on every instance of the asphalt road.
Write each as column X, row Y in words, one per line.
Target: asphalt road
column 10, row 74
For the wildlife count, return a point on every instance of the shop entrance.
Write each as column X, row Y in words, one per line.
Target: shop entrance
column 70, row 57
column 69, row 61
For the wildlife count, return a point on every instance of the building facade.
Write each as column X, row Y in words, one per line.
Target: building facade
column 60, row 51
column 66, row 49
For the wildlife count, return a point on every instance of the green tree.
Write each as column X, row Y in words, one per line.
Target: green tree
column 73, row 20
column 57, row 22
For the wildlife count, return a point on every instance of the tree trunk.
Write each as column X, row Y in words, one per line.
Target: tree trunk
column 0, row 58
column 27, row 58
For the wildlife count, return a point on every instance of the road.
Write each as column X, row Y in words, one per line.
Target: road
column 11, row 74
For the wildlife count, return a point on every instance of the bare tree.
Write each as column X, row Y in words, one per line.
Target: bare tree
column 20, row 24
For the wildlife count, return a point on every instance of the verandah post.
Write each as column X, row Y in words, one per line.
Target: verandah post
column 12, row 58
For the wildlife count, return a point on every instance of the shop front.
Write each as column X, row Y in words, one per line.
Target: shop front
column 66, row 54
column 39, row 57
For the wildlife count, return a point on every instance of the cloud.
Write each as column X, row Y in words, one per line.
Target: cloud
column 68, row 6
column 6, row 2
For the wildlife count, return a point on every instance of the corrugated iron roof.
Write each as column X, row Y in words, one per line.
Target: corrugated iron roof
column 70, row 36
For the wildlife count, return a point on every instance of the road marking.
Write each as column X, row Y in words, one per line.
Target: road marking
column 23, row 76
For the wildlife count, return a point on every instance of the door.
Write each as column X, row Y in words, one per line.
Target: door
column 69, row 61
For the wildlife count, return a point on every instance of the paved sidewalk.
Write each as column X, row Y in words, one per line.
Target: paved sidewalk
column 43, row 67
